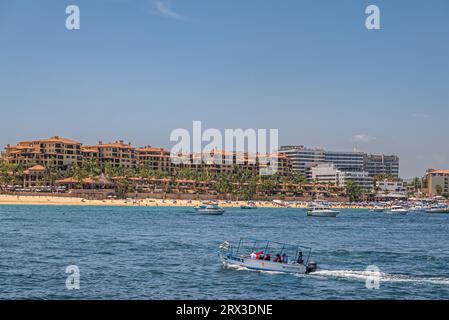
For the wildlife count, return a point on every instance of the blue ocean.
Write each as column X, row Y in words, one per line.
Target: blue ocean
column 171, row 253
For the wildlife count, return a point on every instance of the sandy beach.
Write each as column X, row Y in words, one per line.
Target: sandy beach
column 72, row 201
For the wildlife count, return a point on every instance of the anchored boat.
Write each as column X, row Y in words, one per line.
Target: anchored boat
column 398, row 211
column 210, row 209
column 440, row 208
column 250, row 205
column 377, row 209
column 264, row 255
column 322, row 211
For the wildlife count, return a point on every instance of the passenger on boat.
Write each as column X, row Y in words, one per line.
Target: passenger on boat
column 253, row 255
column 278, row 258
column 284, row 258
column 259, row 255
column 300, row 259
column 267, row 257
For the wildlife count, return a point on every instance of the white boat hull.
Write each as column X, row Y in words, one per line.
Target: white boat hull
column 262, row 265
column 322, row 213
column 212, row 212
column 397, row 213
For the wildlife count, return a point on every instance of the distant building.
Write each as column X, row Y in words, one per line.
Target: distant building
column 62, row 154
column 117, row 154
column 303, row 158
column 55, row 151
column 154, row 158
column 377, row 165
column 346, row 161
column 329, row 173
column 436, row 182
column 391, row 187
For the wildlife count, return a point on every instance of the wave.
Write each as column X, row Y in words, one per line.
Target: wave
column 382, row 277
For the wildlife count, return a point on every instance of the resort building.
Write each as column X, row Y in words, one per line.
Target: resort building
column 345, row 161
column 223, row 162
column 55, row 151
column 330, row 174
column 117, row 154
column 387, row 187
column 154, row 158
column 303, row 158
column 437, row 182
column 34, row 176
column 377, row 165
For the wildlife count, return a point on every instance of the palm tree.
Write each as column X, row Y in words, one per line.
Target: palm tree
column 51, row 173
column 353, row 191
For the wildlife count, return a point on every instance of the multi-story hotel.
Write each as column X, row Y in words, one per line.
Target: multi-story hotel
column 154, row 158
column 303, row 159
column 223, row 162
column 118, row 154
column 436, row 182
column 64, row 153
column 329, row 173
column 60, row 152
column 345, row 161
column 377, row 165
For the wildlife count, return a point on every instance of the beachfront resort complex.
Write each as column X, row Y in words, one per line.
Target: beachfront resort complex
column 63, row 165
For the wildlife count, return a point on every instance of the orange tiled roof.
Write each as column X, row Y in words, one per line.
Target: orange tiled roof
column 439, row 171
column 149, row 149
column 37, row 168
column 58, row 139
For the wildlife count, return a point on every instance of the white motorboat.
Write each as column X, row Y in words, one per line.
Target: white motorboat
column 398, row 210
column 322, row 211
column 210, row 209
column 440, row 208
column 418, row 209
column 377, row 209
column 250, row 205
column 245, row 256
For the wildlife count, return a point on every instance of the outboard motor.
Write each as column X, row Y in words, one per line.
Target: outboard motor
column 311, row 267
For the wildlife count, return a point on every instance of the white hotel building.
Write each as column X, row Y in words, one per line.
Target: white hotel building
column 356, row 166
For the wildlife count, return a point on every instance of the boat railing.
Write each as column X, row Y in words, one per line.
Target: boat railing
column 303, row 251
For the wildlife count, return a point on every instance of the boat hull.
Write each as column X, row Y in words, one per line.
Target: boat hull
column 332, row 214
column 261, row 265
column 438, row 211
column 211, row 212
column 397, row 213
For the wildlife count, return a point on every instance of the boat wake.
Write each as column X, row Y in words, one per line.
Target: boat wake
column 382, row 277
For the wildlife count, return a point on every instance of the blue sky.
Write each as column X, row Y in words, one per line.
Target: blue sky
column 138, row 69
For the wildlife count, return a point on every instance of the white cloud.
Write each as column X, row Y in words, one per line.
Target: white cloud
column 363, row 138
column 420, row 115
column 164, row 9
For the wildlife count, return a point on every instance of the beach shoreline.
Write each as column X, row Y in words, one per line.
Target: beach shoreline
column 149, row 202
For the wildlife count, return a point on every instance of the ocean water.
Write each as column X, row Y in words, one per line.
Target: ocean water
column 171, row 253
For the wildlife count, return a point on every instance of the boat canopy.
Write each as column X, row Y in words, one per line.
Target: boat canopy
column 248, row 245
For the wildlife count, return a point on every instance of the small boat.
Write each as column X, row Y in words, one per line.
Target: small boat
column 418, row 209
column 377, row 209
column 398, row 211
column 210, row 209
column 322, row 211
column 244, row 255
column 440, row 208
column 250, row 205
